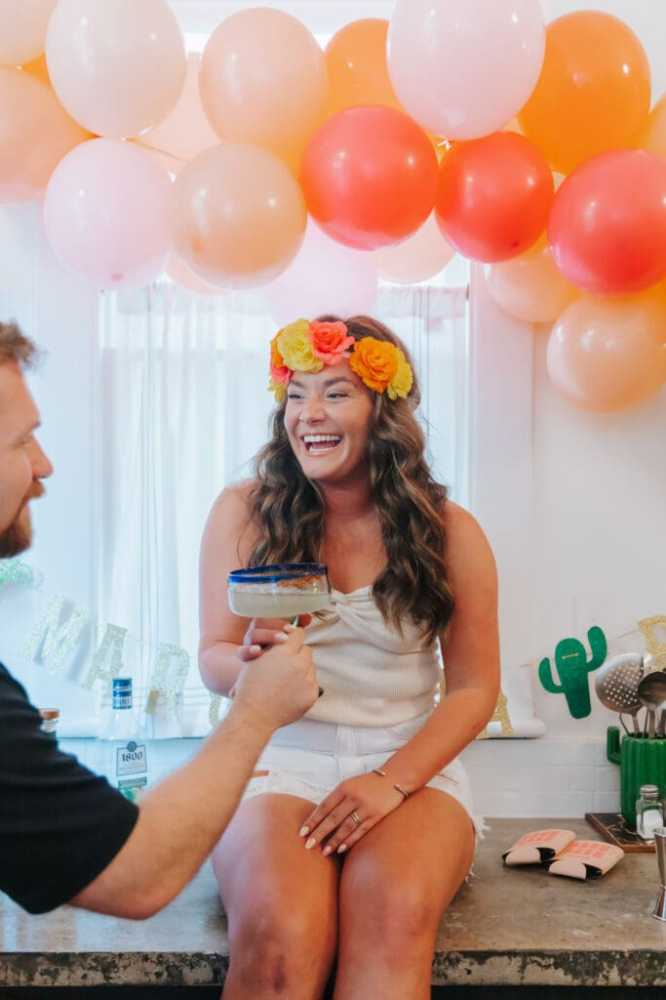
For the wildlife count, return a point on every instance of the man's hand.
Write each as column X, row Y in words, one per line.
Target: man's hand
column 262, row 633
column 279, row 686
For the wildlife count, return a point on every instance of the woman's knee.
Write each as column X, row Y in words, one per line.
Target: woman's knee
column 279, row 948
column 391, row 910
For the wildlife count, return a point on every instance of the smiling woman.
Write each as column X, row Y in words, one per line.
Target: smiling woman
column 370, row 778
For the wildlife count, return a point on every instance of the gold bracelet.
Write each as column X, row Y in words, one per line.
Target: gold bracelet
column 398, row 788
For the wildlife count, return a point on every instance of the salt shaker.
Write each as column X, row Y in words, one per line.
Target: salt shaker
column 649, row 812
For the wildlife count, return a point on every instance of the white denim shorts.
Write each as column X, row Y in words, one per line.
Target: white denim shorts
column 309, row 758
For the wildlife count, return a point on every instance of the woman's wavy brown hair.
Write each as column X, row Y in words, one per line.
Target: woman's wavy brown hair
column 287, row 508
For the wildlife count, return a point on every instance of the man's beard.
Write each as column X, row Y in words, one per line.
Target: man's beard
column 16, row 538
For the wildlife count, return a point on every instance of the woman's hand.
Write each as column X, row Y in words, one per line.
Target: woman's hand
column 349, row 811
column 262, row 633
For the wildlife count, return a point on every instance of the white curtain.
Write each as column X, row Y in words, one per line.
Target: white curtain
column 183, row 408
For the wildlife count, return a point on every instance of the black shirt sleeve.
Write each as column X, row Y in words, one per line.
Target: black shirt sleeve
column 60, row 824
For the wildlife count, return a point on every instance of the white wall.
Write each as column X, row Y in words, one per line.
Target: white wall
column 59, row 312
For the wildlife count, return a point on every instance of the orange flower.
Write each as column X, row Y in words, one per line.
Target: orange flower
column 330, row 341
column 375, row 362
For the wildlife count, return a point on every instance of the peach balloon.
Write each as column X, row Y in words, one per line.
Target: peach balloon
column 184, row 277
column 238, row 214
column 106, row 213
column 418, row 258
column 530, row 287
column 357, row 67
column 608, row 354
column 23, row 29
column 117, row 66
column 186, row 132
column 35, row 134
column 263, row 81
column 594, row 90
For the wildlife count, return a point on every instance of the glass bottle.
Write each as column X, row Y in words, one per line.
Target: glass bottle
column 126, row 756
column 649, row 812
column 50, row 717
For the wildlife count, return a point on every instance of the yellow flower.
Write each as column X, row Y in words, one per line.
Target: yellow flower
column 294, row 343
column 403, row 380
column 279, row 390
column 375, row 362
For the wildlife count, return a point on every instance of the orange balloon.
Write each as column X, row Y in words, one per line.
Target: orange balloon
column 357, row 68
column 653, row 136
column 38, row 69
column 239, row 216
column 263, row 81
column 530, row 287
column 608, row 354
column 35, row 134
column 594, row 90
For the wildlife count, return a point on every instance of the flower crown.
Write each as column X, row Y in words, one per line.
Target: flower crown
column 308, row 346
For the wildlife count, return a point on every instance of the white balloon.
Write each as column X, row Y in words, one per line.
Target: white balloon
column 324, row 278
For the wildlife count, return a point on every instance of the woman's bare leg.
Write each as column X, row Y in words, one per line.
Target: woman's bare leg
column 396, row 883
column 281, row 903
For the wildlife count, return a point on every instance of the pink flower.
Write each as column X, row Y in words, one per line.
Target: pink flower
column 330, row 341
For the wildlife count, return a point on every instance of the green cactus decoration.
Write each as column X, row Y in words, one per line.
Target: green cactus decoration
column 572, row 668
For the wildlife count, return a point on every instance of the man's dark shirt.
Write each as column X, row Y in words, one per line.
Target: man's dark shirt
column 60, row 824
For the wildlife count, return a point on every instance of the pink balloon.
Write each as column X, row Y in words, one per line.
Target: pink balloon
column 23, row 29
column 463, row 68
column 107, row 214
column 186, row 132
column 418, row 258
column 117, row 66
column 608, row 354
column 324, row 277
column 184, row 277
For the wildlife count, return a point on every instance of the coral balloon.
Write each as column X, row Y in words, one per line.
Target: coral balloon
column 357, row 68
column 594, row 90
column 494, row 196
column 38, row 69
column 107, row 214
column 530, row 287
column 263, row 81
column 23, row 30
column 420, row 257
column 239, row 216
column 463, row 68
column 185, row 132
column 117, row 66
column 607, row 227
column 35, row 134
column 370, row 177
column 324, row 277
column 608, row 354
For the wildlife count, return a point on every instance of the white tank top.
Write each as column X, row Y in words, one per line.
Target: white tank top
column 371, row 675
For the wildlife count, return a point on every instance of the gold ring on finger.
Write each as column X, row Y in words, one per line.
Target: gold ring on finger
column 355, row 818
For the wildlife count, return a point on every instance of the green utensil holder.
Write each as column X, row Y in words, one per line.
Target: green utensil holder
column 642, row 762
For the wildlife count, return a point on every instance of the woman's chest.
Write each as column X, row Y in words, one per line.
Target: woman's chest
column 354, row 558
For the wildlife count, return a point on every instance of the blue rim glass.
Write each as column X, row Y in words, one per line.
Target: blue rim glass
column 276, row 571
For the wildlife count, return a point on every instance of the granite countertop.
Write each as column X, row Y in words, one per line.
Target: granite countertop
column 508, row 926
